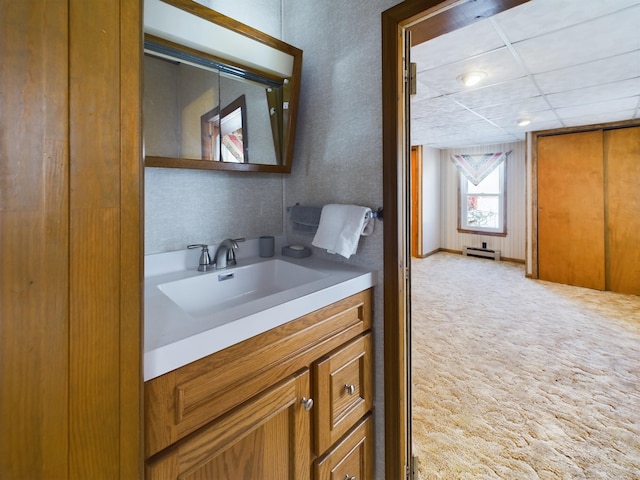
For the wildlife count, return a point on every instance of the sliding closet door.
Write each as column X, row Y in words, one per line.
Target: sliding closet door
column 571, row 223
column 622, row 191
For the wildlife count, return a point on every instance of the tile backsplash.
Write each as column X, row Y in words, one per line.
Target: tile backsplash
column 197, row 206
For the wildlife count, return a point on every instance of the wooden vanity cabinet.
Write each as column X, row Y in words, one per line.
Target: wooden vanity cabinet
column 267, row 437
column 242, row 412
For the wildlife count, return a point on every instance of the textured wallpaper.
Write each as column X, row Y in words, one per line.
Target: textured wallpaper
column 338, row 153
column 198, row 206
column 337, row 158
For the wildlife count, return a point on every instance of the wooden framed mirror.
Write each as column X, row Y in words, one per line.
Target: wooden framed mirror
column 209, row 83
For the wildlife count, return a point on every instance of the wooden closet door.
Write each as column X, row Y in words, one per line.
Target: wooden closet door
column 622, row 183
column 571, row 209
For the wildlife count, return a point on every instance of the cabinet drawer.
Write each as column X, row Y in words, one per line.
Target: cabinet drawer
column 343, row 390
column 351, row 458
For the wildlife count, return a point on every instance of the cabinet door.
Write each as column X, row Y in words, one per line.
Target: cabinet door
column 622, row 154
column 343, row 391
column 266, row 438
column 351, row 458
column 571, row 209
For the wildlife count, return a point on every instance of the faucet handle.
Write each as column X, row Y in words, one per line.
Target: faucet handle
column 231, row 254
column 205, row 260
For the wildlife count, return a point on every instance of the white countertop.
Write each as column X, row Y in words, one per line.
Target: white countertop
column 174, row 338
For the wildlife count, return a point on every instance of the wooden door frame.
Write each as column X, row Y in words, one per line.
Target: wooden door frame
column 451, row 15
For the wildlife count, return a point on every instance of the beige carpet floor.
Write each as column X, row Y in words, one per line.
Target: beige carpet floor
column 516, row 378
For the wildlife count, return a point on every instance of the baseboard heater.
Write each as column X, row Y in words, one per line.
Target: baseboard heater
column 481, row 252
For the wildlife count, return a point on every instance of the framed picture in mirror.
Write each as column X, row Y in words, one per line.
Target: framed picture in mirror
column 224, row 133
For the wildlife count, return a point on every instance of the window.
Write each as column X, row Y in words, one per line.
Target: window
column 482, row 206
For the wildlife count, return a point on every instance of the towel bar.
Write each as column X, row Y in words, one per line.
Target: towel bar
column 374, row 213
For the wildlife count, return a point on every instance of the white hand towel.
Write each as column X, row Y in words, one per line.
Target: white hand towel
column 340, row 228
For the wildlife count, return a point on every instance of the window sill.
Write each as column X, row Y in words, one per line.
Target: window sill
column 482, row 232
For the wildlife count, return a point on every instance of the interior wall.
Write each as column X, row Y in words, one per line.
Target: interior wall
column 264, row 15
column 430, row 200
column 513, row 245
column 337, row 158
column 338, row 151
column 198, row 206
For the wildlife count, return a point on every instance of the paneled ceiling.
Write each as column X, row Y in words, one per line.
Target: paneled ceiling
column 557, row 63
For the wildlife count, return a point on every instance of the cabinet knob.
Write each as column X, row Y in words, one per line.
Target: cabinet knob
column 349, row 477
column 307, row 403
column 351, row 389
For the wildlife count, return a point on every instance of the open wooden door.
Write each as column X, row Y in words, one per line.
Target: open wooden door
column 416, row 202
column 436, row 18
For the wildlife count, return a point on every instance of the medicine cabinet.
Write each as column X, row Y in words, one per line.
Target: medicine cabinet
column 218, row 94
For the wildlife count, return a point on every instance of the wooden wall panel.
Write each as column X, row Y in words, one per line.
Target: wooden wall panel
column 33, row 239
column 571, row 209
column 622, row 193
column 131, row 241
column 94, row 58
column 70, row 239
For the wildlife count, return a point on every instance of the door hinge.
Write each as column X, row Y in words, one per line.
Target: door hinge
column 413, row 78
column 412, row 469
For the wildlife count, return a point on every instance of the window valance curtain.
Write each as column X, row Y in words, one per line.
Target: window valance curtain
column 475, row 167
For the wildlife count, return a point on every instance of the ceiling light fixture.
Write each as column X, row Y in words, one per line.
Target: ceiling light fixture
column 472, row 78
column 524, row 122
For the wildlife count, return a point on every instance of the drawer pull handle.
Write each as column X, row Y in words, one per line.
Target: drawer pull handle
column 351, row 389
column 307, row 403
column 349, row 477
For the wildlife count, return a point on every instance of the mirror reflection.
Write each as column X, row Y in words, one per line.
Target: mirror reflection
column 224, row 136
column 198, row 112
column 211, row 84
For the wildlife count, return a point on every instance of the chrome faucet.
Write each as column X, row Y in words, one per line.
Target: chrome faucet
column 205, row 264
column 225, row 254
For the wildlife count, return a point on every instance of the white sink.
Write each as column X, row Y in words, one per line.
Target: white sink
column 190, row 314
column 222, row 289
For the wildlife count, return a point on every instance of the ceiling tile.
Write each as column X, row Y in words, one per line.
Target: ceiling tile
column 424, row 92
column 466, row 42
column 540, row 125
column 598, row 93
column 508, row 92
column 499, row 65
column 542, row 16
column 600, row 108
column 454, row 121
column 593, row 119
column 435, row 106
column 510, row 122
column 600, row 38
column 620, row 67
column 524, row 108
